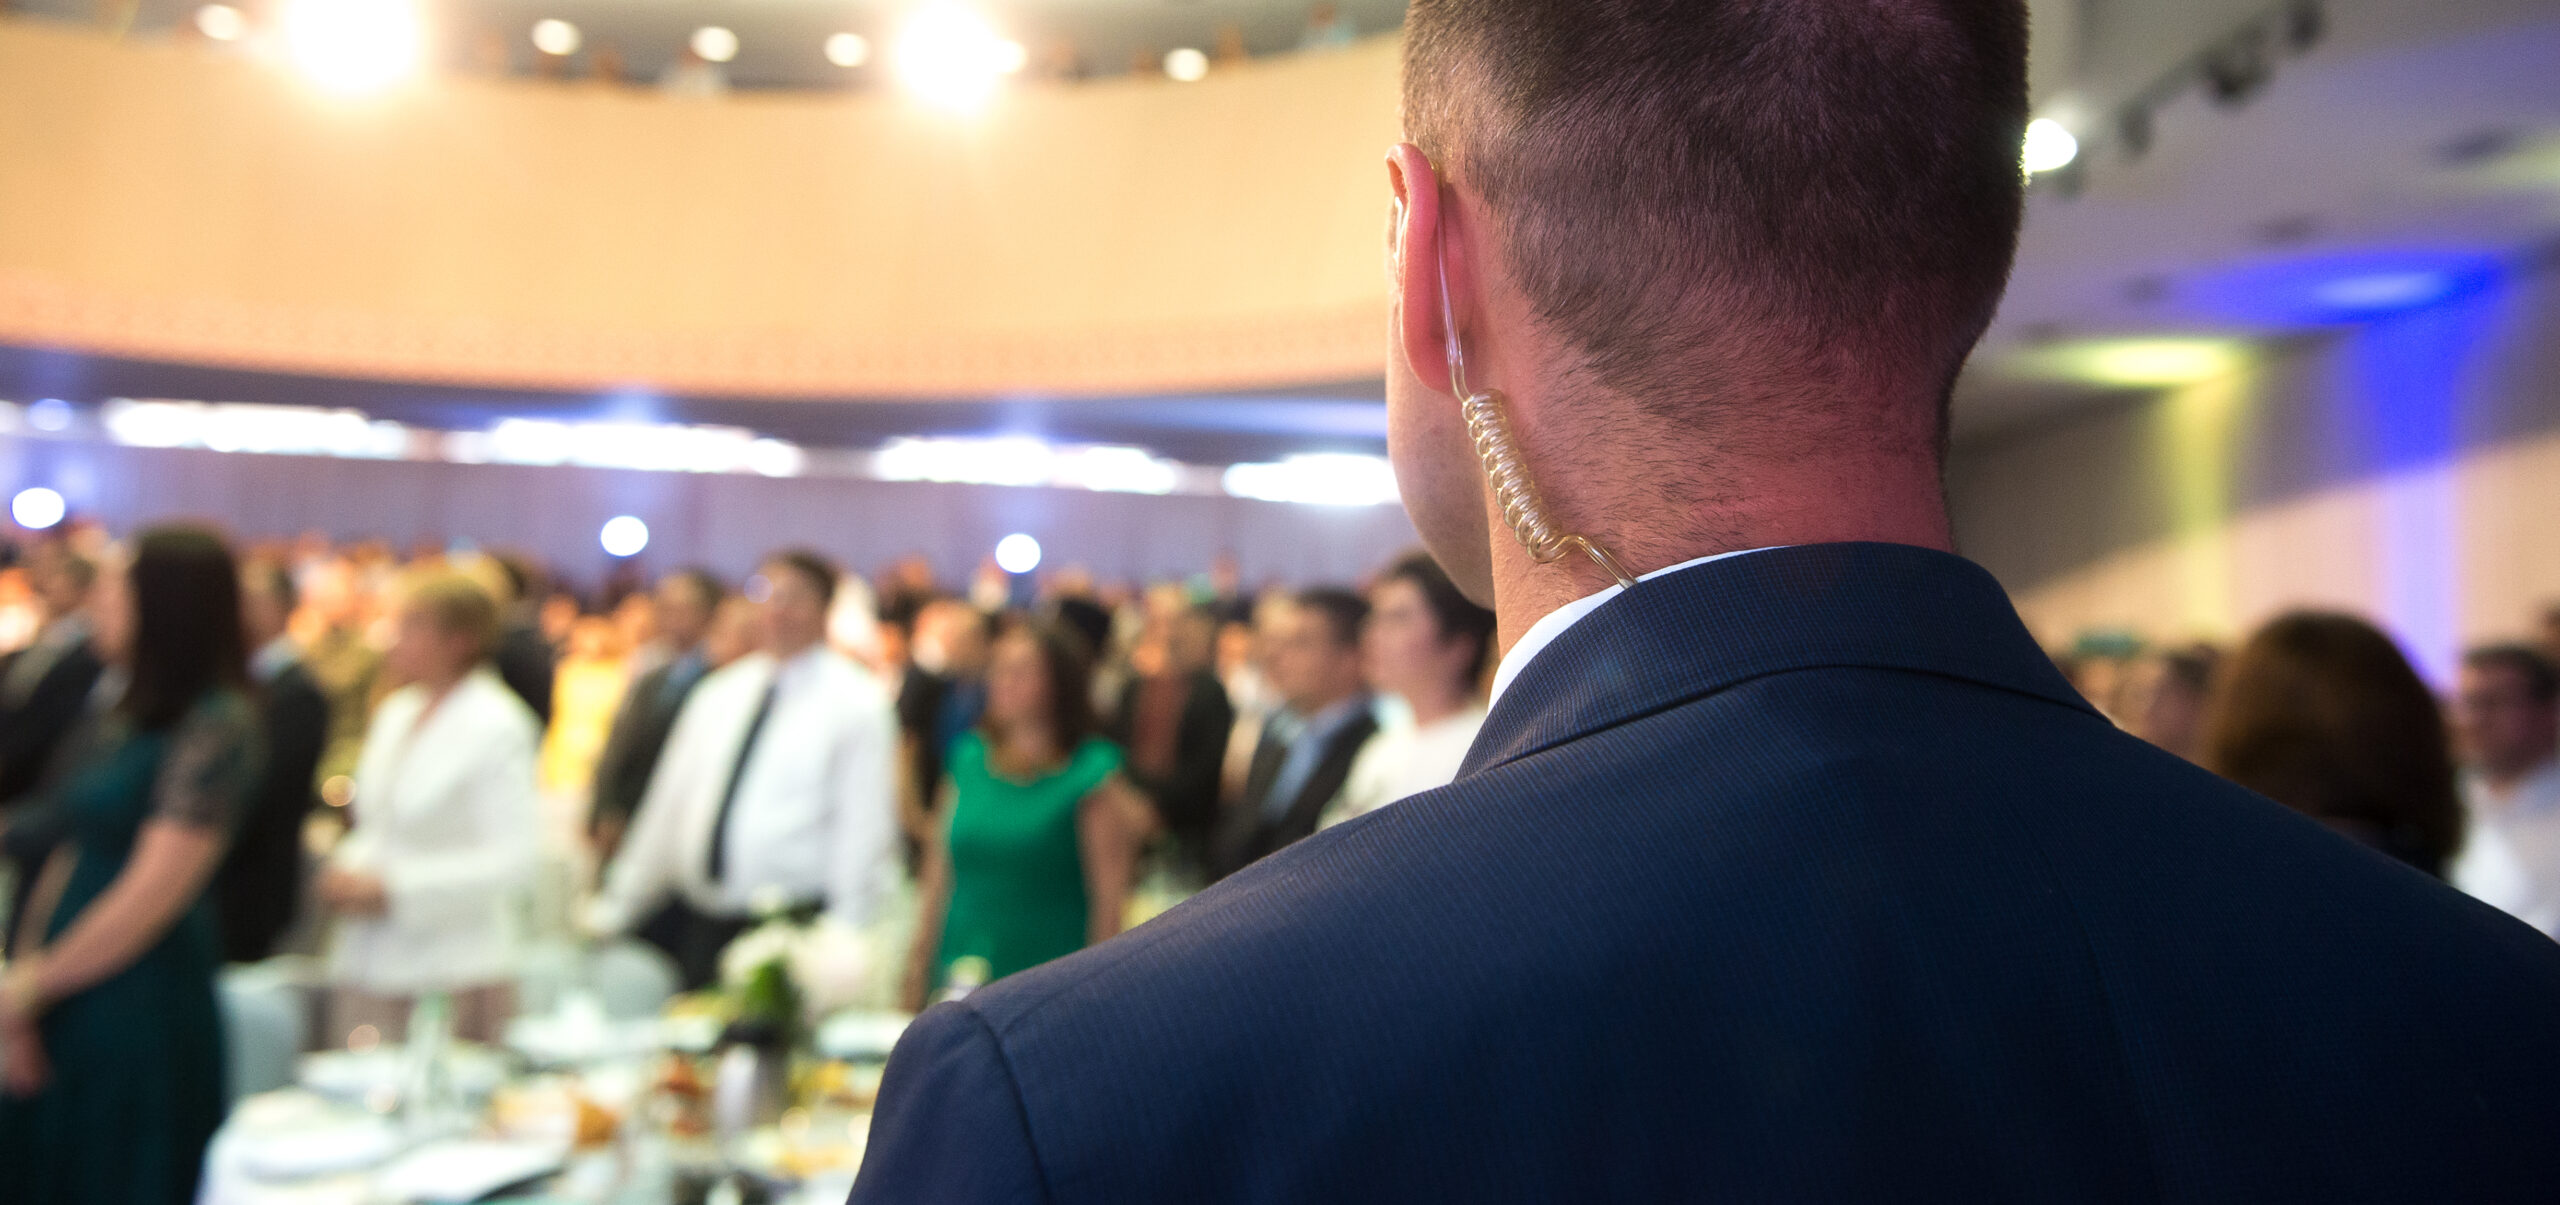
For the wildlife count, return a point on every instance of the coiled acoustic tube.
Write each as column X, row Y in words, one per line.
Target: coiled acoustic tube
column 1522, row 510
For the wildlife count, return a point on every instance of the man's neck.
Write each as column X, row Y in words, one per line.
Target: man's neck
column 1852, row 501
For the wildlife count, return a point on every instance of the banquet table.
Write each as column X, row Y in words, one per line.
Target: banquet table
column 572, row 1110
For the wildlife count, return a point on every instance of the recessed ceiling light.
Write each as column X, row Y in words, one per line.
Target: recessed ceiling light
column 553, row 36
column 2048, row 147
column 221, row 22
column 715, row 43
column 848, row 49
column 353, row 46
column 1187, row 64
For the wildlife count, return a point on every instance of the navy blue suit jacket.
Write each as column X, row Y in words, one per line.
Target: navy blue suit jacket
column 1796, row 876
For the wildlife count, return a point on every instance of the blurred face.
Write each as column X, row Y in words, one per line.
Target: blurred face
column 2164, row 711
column 1017, row 682
column 57, row 590
column 2500, row 727
column 683, row 615
column 795, row 615
column 423, row 650
column 111, row 614
column 732, row 633
column 1404, row 649
column 1308, row 666
column 262, row 614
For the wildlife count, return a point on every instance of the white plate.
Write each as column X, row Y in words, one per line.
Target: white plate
column 353, row 1076
column 324, row 1148
column 860, row 1035
column 466, row 1169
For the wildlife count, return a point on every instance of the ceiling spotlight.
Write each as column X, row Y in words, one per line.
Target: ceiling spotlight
column 553, row 36
column 1017, row 553
column 715, row 44
column 2048, row 147
column 351, row 46
column 221, row 22
column 952, row 57
column 1187, row 65
column 623, row 536
column 848, row 49
column 36, row 508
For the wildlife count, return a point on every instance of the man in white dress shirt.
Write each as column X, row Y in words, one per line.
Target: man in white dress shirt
column 775, row 791
column 2507, row 715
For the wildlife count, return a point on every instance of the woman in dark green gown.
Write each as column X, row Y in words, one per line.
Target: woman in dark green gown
column 1038, row 837
column 113, row 1040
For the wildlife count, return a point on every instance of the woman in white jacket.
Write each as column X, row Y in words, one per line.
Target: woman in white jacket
column 428, row 887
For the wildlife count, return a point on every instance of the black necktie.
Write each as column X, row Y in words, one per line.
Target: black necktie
column 1263, row 772
column 738, row 770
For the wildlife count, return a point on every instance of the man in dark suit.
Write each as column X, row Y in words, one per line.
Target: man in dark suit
column 258, row 889
column 1794, row 872
column 686, row 601
column 1172, row 724
column 44, row 687
column 1305, row 752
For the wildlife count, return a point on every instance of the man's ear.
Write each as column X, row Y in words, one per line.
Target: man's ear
column 1414, row 265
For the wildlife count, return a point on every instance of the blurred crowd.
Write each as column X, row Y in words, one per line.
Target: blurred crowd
column 374, row 758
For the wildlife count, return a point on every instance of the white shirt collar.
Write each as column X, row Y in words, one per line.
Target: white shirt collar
column 272, row 658
column 1553, row 623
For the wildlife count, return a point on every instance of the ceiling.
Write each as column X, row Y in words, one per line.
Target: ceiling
column 781, row 43
column 2409, row 132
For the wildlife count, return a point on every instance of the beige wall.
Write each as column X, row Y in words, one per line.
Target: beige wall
column 1124, row 236
column 2408, row 471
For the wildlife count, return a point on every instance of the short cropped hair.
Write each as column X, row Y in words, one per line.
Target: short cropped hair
column 457, row 604
column 2541, row 678
column 812, row 566
column 1827, row 189
column 1344, row 611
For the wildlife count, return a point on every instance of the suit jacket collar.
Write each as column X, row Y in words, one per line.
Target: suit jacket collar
column 1701, row 630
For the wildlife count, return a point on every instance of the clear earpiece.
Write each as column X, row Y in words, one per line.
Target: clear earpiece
column 1522, row 510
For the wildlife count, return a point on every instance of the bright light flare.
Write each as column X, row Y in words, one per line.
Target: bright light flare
column 1315, row 479
column 2049, row 147
column 353, row 46
column 952, row 57
column 1187, row 65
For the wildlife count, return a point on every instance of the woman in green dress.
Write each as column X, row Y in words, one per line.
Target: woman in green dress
column 1040, row 834
column 113, row 1058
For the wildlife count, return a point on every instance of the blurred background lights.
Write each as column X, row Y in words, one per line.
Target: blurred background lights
column 2384, row 291
column 352, row 46
column 1017, row 553
column 2048, row 147
column 37, row 508
column 1316, row 479
column 624, row 535
column 221, row 22
column 848, row 49
column 715, row 43
column 2146, row 363
column 49, row 414
column 951, row 56
column 553, row 36
column 1187, row 64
